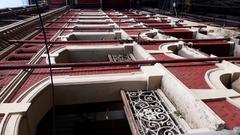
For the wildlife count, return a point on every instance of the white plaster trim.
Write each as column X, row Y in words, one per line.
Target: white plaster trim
column 228, row 66
column 115, row 13
column 14, row 107
column 204, row 94
column 94, row 20
column 64, row 38
column 157, row 37
column 172, row 109
column 3, row 124
column 127, row 20
column 98, row 79
column 110, row 25
column 196, row 113
column 29, row 94
column 154, row 76
column 115, row 33
column 212, row 77
column 233, row 102
column 90, row 17
column 189, row 52
column 11, row 124
column 172, row 55
column 137, row 25
column 91, row 13
column 158, row 51
column 138, row 52
column 164, row 47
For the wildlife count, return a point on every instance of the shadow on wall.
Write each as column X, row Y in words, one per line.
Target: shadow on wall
column 231, row 81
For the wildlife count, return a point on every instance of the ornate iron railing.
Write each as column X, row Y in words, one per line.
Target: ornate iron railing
column 151, row 114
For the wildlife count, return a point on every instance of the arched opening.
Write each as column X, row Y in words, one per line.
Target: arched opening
column 154, row 35
column 80, row 109
column 231, row 81
column 226, row 80
column 186, row 52
column 182, row 50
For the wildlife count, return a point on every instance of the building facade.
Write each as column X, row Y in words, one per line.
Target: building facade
column 121, row 72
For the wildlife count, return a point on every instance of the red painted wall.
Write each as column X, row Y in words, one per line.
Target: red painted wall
column 56, row 3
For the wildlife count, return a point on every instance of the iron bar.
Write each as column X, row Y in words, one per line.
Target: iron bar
column 69, row 42
column 95, row 64
column 113, row 41
column 136, row 21
column 130, row 17
column 126, row 28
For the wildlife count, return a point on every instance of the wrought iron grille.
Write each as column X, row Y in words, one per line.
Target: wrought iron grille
column 151, row 115
column 120, row 57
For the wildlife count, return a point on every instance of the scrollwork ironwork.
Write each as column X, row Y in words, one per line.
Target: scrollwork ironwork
column 151, row 114
column 120, row 57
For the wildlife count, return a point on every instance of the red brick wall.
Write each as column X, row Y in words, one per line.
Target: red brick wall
column 226, row 111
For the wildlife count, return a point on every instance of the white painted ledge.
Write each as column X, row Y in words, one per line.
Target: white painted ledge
column 214, row 93
column 14, row 107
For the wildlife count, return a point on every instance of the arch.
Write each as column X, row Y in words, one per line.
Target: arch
column 221, row 79
column 68, row 91
column 180, row 51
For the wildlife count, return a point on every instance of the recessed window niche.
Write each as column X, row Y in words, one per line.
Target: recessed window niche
column 76, row 54
column 96, row 36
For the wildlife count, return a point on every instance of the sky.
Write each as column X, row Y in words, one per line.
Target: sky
column 12, row 3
